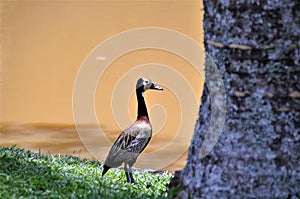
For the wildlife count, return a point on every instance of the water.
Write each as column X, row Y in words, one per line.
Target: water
column 45, row 43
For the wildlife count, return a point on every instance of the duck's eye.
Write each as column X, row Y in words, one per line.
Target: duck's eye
column 146, row 82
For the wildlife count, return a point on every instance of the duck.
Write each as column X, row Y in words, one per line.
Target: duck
column 133, row 140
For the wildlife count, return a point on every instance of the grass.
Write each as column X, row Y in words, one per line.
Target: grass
column 24, row 174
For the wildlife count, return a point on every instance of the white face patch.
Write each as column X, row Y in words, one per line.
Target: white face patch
column 146, row 83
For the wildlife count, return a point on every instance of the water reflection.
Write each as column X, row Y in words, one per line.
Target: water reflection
column 63, row 139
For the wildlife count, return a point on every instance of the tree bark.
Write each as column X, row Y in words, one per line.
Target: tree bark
column 255, row 45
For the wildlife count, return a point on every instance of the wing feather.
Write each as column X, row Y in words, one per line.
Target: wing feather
column 127, row 147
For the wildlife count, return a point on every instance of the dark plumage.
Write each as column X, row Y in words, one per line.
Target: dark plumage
column 132, row 141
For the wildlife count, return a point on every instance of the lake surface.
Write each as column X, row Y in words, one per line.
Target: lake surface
column 44, row 46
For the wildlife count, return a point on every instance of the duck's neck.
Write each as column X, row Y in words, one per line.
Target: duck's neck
column 142, row 109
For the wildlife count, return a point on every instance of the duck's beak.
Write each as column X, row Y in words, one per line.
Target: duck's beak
column 155, row 87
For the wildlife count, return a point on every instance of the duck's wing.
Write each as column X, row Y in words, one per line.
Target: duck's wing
column 130, row 143
column 140, row 140
column 118, row 152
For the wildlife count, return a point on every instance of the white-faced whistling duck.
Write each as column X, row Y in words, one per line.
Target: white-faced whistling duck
column 132, row 141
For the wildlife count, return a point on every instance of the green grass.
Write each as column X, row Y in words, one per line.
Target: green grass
column 24, row 174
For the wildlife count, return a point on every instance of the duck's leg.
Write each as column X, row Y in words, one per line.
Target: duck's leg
column 127, row 173
column 130, row 175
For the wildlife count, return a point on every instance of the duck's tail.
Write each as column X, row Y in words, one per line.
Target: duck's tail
column 105, row 169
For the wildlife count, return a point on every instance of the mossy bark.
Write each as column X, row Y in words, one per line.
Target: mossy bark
column 255, row 45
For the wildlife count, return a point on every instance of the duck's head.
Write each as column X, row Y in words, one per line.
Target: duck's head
column 144, row 84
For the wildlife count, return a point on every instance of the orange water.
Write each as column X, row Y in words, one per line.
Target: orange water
column 43, row 45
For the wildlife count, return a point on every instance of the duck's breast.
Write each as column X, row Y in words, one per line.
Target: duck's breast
column 144, row 129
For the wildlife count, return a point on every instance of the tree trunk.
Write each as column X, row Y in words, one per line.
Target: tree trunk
column 255, row 45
